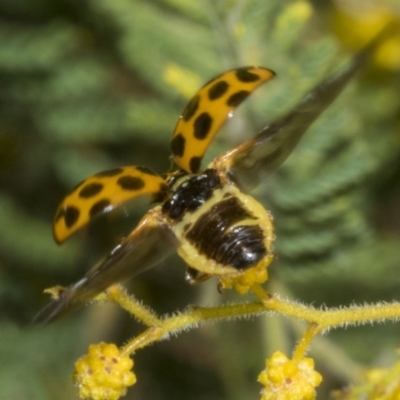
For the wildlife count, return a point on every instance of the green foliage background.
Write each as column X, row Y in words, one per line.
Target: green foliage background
column 84, row 87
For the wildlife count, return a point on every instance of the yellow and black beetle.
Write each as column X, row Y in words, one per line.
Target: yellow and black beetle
column 203, row 215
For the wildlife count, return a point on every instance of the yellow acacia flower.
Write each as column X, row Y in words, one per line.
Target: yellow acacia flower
column 184, row 81
column 103, row 373
column 356, row 23
column 242, row 282
column 285, row 379
column 379, row 384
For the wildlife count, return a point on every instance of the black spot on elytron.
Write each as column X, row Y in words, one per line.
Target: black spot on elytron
column 191, row 108
column 111, row 172
column 163, row 187
column 99, row 207
column 178, row 145
column 81, row 183
column 146, row 170
column 194, row 164
column 129, row 182
column 237, row 98
column 159, row 196
column 202, row 125
column 90, row 190
column 244, row 75
column 217, row 90
column 71, row 215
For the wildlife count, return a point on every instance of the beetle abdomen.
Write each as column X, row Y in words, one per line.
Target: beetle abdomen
column 219, row 234
column 228, row 233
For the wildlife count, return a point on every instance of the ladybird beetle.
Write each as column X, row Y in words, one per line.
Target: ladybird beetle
column 205, row 216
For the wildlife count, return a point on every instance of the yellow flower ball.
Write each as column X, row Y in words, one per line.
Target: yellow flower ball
column 103, row 373
column 285, row 379
column 243, row 281
column 357, row 27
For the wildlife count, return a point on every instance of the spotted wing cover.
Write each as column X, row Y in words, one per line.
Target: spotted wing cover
column 149, row 244
column 250, row 162
column 101, row 193
column 209, row 109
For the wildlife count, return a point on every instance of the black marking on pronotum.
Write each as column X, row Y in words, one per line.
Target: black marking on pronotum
column 176, row 176
column 178, row 145
column 244, row 75
column 71, row 215
column 218, row 90
column 237, row 98
column 129, row 182
column 111, row 172
column 191, row 108
column 99, row 207
column 240, row 247
column 202, row 125
column 91, row 190
column 191, row 194
column 194, row 164
column 146, row 170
